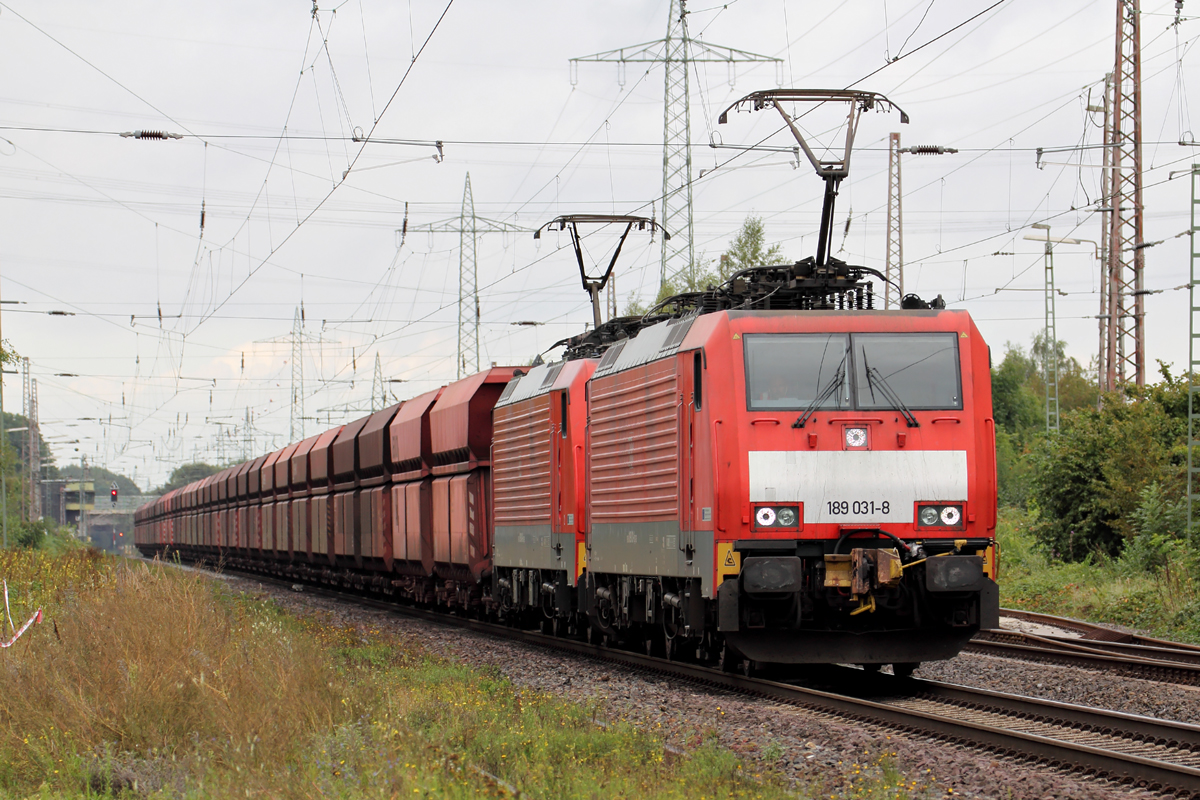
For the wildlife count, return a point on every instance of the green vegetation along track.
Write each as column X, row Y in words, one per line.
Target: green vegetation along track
column 1155, row 754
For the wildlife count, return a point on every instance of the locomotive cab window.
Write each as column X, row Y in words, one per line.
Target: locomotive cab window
column 921, row 369
column 864, row 371
column 792, row 370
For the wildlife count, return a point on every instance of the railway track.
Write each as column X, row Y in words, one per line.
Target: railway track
column 1097, row 647
column 1159, row 755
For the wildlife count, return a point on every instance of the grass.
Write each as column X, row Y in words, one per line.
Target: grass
column 150, row 682
column 1164, row 602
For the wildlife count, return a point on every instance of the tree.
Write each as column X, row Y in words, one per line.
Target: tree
column 185, row 474
column 749, row 249
column 16, row 427
column 1076, row 389
column 695, row 278
column 1015, row 406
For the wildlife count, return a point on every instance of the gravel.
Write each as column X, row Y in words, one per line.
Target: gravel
column 819, row 753
column 1086, row 687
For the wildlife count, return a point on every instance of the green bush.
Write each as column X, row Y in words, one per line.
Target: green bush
column 1088, row 480
column 1159, row 526
column 32, row 535
column 1014, row 471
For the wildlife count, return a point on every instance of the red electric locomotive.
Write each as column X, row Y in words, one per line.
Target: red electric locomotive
column 793, row 485
column 769, row 471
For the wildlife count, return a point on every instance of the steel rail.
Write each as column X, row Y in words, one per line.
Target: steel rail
column 1163, row 671
column 1142, row 651
column 1098, row 647
column 1095, row 742
column 1097, row 633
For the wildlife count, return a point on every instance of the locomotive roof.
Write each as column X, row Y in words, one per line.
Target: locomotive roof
column 540, row 380
column 650, row 344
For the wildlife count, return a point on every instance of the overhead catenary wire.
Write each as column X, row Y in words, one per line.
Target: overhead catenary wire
column 365, row 142
column 427, row 347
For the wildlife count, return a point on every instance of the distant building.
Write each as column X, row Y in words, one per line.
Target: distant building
column 110, row 527
column 70, row 494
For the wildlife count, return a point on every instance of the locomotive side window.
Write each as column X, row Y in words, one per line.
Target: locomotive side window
column 697, row 375
column 792, row 370
column 921, row 368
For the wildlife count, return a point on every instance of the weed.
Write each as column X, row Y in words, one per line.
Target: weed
column 1150, row 587
column 164, row 683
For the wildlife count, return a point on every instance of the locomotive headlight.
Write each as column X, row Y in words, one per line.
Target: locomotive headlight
column 774, row 517
column 951, row 515
column 765, row 516
column 929, row 515
column 856, row 437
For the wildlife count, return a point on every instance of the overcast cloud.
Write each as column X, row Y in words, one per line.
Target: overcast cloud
column 108, row 228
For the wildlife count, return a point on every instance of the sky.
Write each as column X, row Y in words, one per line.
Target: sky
column 307, row 139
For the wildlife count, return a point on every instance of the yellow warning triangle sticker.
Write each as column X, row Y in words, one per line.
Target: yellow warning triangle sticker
column 729, row 562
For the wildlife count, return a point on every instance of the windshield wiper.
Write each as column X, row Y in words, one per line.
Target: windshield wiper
column 874, row 375
column 832, row 387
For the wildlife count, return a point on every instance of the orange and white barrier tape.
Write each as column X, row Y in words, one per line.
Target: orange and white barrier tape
column 35, row 619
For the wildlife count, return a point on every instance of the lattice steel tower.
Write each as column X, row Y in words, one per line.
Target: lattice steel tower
column 894, row 258
column 378, row 389
column 468, row 227
column 677, row 52
column 1125, row 351
column 33, row 445
column 468, row 287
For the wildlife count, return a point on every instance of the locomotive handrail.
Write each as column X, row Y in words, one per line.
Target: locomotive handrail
column 955, row 420
column 765, row 421
column 865, row 420
column 716, row 446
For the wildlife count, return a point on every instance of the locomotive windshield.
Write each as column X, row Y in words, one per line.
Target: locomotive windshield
column 921, row 368
column 791, row 370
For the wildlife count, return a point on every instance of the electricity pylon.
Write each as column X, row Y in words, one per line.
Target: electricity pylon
column 468, row 226
column 894, row 261
column 1125, row 351
column 378, row 390
column 677, row 51
column 468, row 287
column 33, row 447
